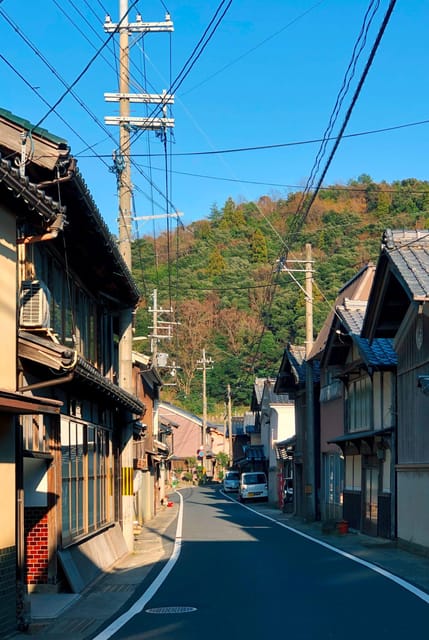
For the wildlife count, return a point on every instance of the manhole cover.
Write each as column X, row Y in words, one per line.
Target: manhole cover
column 171, row 610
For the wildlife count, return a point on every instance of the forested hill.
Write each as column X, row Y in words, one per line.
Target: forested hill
column 220, row 275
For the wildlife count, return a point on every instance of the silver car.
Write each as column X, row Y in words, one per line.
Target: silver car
column 231, row 481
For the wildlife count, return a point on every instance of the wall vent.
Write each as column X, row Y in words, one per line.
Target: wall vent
column 34, row 305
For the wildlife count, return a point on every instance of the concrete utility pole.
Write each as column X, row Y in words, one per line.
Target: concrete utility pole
column 310, row 488
column 123, row 173
column 161, row 329
column 231, row 451
column 204, row 362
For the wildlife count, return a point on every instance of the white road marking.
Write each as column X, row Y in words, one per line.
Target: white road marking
column 139, row 605
column 390, row 576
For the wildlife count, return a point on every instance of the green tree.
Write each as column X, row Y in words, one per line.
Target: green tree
column 258, row 248
column 216, row 263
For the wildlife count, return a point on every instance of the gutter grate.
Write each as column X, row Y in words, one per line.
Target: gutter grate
column 159, row 610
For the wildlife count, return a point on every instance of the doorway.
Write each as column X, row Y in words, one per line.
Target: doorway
column 370, row 495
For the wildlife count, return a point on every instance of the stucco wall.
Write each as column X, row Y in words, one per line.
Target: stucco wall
column 413, row 512
column 282, row 427
column 8, row 301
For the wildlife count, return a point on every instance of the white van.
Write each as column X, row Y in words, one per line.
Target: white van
column 253, row 485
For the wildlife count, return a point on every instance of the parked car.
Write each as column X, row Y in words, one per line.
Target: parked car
column 253, row 485
column 231, row 481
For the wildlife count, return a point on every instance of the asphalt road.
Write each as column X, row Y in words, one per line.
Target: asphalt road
column 239, row 576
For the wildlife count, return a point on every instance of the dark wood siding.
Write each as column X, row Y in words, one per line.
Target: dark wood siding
column 384, row 520
column 413, row 404
column 352, row 508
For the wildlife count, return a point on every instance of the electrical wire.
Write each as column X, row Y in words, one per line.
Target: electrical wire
column 290, row 144
column 254, row 48
column 39, row 95
column 86, row 67
column 303, row 215
column 348, row 76
column 299, row 218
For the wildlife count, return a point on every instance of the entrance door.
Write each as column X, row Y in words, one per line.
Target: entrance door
column 370, row 495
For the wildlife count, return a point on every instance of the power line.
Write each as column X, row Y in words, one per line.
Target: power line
column 69, row 88
column 288, row 144
column 260, row 44
column 302, row 216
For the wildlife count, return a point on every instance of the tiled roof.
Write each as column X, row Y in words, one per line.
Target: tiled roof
column 409, row 252
column 296, row 356
column 28, row 126
column 352, row 313
column 379, row 353
column 357, row 288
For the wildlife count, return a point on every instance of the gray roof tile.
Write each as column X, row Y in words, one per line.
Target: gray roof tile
column 409, row 253
column 379, row 353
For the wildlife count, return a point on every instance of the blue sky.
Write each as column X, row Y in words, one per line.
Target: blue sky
column 269, row 75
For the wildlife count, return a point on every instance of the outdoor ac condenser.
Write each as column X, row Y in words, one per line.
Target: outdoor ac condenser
column 34, row 305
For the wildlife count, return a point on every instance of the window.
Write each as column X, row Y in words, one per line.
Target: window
column 73, row 311
column 353, row 473
column 86, row 464
column 359, row 404
column 34, row 433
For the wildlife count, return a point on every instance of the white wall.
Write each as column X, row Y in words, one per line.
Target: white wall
column 282, row 427
column 413, row 511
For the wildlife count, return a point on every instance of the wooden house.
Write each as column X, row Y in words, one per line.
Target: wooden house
column 64, row 288
column 398, row 309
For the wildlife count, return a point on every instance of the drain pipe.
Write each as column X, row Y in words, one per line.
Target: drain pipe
column 60, row 219
column 51, row 233
column 48, row 383
column 69, row 175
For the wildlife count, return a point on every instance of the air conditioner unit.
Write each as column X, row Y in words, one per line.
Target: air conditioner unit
column 34, row 310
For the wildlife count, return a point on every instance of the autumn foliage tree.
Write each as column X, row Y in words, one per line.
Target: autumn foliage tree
column 192, row 335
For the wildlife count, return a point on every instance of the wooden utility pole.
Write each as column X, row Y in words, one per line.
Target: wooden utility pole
column 123, row 173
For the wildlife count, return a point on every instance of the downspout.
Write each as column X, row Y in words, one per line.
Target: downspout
column 52, row 232
column 48, row 383
column 59, row 221
column 69, row 175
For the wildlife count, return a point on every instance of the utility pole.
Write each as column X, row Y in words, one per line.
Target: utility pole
column 310, row 488
column 161, row 329
column 122, row 168
column 231, row 451
column 204, row 362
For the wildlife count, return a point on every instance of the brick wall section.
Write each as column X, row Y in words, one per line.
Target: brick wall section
column 7, row 591
column 36, row 543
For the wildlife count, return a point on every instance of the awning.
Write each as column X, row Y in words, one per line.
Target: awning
column 285, row 449
column 65, row 360
column 254, row 452
column 360, row 435
column 13, row 402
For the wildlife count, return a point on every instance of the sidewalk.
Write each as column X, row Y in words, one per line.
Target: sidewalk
column 80, row 616
column 70, row 616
